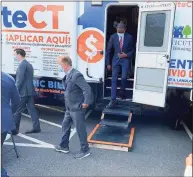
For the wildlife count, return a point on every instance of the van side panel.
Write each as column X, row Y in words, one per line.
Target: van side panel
column 91, row 40
column 180, row 72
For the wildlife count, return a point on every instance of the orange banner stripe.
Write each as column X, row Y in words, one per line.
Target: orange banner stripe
column 32, row 31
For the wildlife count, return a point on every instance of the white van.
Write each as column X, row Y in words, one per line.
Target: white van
column 160, row 68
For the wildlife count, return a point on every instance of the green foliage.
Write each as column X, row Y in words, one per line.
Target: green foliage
column 187, row 31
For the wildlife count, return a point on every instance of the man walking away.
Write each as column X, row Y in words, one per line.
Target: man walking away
column 9, row 94
column 24, row 83
column 78, row 96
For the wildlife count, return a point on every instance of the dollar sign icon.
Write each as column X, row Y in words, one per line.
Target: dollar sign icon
column 93, row 50
column 89, row 43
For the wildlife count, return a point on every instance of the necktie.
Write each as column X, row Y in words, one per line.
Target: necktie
column 121, row 43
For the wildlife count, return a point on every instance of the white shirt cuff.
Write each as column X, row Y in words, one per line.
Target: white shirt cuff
column 188, row 171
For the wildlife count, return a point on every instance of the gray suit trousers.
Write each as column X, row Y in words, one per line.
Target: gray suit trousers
column 29, row 102
column 78, row 118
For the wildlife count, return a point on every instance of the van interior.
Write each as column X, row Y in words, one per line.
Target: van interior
column 129, row 16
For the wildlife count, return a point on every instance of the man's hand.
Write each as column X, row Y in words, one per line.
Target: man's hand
column 108, row 67
column 84, row 106
column 122, row 55
column 189, row 160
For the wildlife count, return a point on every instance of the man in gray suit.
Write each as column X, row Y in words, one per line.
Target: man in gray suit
column 78, row 96
column 24, row 84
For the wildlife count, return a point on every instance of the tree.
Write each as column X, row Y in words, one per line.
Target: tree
column 187, row 31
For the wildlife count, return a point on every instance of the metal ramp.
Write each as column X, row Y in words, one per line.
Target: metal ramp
column 114, row 131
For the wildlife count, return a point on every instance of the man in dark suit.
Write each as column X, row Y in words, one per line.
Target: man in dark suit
column 122, row 43
column 9, row 98
column 78, row 96
column 24, row 83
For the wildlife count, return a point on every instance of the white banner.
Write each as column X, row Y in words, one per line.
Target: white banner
column 180, row 72
column 44, row 30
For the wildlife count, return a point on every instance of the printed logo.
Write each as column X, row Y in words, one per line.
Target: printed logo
column 182, row 32
column 29, row 17
column 90, row 43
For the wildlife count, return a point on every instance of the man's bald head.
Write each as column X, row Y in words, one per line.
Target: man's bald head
column 65, row 62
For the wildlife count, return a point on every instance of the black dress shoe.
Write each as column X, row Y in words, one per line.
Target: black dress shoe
column 112, row 104
column 33, row 131
column 14, row 132
column 123, row 95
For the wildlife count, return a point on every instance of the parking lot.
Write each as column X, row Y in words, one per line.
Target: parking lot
column 157, row 151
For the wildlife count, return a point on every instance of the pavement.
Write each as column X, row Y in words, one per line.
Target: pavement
column 157, row 150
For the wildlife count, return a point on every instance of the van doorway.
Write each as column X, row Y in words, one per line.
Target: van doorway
column 128, row 14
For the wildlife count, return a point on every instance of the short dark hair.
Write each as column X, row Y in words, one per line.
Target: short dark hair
column 121, row 25
column 20, row 52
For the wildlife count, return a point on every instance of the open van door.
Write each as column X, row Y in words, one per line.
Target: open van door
column 153, row 53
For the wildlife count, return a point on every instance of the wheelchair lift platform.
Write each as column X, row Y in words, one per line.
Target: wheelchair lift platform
column 114, row 132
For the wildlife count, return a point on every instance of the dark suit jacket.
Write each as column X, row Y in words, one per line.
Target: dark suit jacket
column 114, row 44
column 24, row 79
column 76, row 91
column 9, row 97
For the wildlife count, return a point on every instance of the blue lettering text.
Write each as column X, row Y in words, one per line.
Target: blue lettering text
column 19, row 16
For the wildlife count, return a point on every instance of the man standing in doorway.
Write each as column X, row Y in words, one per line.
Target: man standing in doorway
column 78, row 96
column 24, row 83
column 122, row 43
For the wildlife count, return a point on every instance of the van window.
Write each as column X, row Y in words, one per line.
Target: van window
column 154, row 31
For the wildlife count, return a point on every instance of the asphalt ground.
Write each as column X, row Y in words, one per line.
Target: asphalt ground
column 157, row 150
